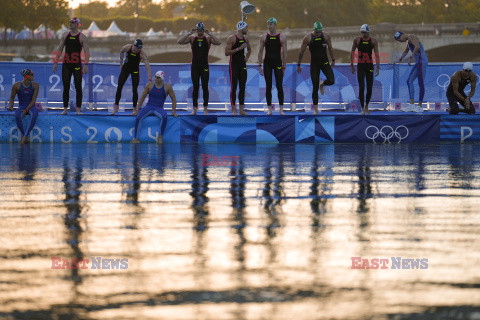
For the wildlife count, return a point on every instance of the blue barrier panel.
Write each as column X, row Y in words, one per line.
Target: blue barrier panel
column 301, row 128
column 99, row 86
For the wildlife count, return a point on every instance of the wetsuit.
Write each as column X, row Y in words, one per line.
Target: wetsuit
column 319, row 62
column 238, row 73
column 273, row 62
column 418, row 72
column 365, row 69
column 25, row 95
column 131, row 66
column 200, row 70
column 453, row 99
column 156, row 99
column 72, row 65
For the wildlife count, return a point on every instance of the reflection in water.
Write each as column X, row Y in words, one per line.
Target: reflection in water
column 271, row 238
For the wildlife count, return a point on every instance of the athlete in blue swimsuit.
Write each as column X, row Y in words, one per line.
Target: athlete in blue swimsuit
column 27, row 92
column 157, row 94
column 419, row 69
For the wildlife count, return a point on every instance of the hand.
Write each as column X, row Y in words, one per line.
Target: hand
column 283, row 71
column 193, row 31
column 208, row 32
column 174, row 114
column 10, row 108
column 24, row 113
column 85, row 69
column 410, row 60
column 353, row 69
column 246, row 59
column 260, row 71
column 333, row 63
column 54, row 67
column 299, row 68
column 121, row 66
column 377, row 72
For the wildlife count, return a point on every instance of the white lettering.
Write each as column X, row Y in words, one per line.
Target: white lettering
column 112, row 81
column 93, row 136
column 63, row 131
column 17, row 136
column 37, row 136
column 55, row 77
column 463, row 136
column 97, row 85
column 117, row 132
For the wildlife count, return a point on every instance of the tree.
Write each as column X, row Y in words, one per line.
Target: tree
column 93, row 10
column 10, row 16
column 51, row 13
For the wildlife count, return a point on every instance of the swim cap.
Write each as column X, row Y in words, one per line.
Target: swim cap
column 26, row 72
column 241, row 25
column 365, row 28
column 200, row 26
column 75, row 20
column 397, row 35
column 160, row 74
column 138, row 43
column 468, row 66
column 273, row 20
column 317, row 26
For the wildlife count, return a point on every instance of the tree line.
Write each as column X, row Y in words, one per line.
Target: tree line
column 177, row 15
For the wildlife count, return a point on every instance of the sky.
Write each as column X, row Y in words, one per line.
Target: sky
column 75, row 3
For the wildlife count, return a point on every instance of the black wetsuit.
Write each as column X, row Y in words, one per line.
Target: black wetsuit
column 319, row 62
column 453, row 99
column 238, row 73
column 72, row 65
column 131, row 66
column 200, row 69
column 365, row 69
column 273, row 62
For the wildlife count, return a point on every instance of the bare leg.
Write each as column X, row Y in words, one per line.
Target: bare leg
column 322, row 89
column 78, row 111
column 64, row 112
column 115, row 109
column 315, row 108
column 281, row 110
column 194, row 112
column 269, row 113
column 242, row 111
column 234, row 110
column 135, row 140
column 160, row 139
column 205, row 110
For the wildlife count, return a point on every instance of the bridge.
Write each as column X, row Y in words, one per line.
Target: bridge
column 443, row 43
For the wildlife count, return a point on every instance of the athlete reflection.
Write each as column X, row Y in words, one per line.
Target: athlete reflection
column 200, row 45
column 157, row 94
column 455, row 91
column 27, row 92
column 73, row 42
column 418, row 71
column 131, row 66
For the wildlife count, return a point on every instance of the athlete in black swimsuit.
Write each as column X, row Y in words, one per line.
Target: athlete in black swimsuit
column 455, row 91
column 365, row 45
column 318, row 42
column 275, row 60
column 235, row 48
column 200, row 45
column 131, row 66
column 73, row 42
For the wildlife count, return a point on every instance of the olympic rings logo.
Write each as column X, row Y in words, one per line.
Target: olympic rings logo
column 386, row 134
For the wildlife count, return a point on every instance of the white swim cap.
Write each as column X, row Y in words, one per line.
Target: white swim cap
column 365, row 28
column 468, row 66
column 160, row 74
column 241, row 25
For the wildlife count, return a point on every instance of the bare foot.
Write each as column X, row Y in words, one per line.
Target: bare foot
column 234, row 113
column 194, row 112
column 269, row 113
column 315, row 109
column 243, row 113
column 363, row 112
column 24, row 140
column 315, row 112
column 64, row 112
column 282, row 113
column 322, row 90
column 135, row 140
column 368, row 112
column 115, row 110
column 159, row 139
column 78, row 111
column 205, row 112
column 134, row 112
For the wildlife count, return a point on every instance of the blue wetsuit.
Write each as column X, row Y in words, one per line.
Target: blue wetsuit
column 156, row 99
column 25, row 95
column 418, row 72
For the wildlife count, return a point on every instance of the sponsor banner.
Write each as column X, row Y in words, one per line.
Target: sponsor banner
column 388, row 129
column 100, row 84
column 460, row 128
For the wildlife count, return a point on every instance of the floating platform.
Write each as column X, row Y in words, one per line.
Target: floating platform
column 220, row 127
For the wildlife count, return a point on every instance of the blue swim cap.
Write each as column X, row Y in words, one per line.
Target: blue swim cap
column 397, row 35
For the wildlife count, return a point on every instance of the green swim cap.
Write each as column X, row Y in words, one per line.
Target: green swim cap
column 317, row 26
column 272, row 20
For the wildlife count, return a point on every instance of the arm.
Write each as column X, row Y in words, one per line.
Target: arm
column 249, row 49
column 414, row 40
column 473, row 85
column 185, row 39
column 144, row 58
column 354, row 49
column 12, row 95
column 36, row 88
column 145, row 92
column 122, row 53
column 330, row 49
column 86, row 51
column 228, row 47
column 171, row 93
column 455, row 82
column 260, row 54
column 56, row 54
column 212, row 39
column 303, row 47
column 377, row 56
column 284, row 51
column 404, row 53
